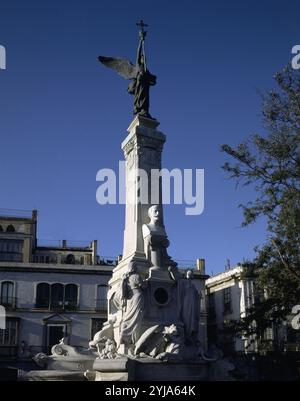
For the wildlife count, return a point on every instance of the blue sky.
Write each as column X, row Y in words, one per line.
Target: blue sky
column 63, row 115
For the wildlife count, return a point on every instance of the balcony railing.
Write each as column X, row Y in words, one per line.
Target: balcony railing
column 61, row 306
column 101, row 305
column 66, row 306
column 9, row 303
column 11, row 257
column 70, row 305
column 8, row 351
column 45, row 243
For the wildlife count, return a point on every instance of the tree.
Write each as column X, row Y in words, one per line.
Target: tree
column 270, row 163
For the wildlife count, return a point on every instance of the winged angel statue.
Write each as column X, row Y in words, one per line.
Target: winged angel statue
column 141, row 78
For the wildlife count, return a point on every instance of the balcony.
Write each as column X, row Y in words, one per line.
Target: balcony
column 101, row 305
column 70, row 306
column 9, row 303
column 66, row 306
column 11, row 257
column 58, row 306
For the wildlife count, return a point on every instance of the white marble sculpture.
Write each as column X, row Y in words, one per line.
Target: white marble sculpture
column 133, row 307
column 155, row 238
column 189, row 308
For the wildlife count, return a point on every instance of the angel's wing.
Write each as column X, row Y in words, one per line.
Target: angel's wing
column 122, row 66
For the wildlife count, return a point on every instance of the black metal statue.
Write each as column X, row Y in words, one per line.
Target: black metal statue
column 138, row 73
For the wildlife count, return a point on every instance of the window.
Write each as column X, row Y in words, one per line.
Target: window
column 1, row 229
column 10, row 229
column 227, row 300
column 97, row 325
column 9, row 336
column 55, row 332
column 101, row 301
column 258, row 294
column 9, row 339
column 70, row 259
column 57, row 296
column 7, row 294
column 43, row 295
column 11, row 250
column 71, row 294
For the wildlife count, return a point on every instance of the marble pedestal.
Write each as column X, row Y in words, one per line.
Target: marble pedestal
column 147, row 369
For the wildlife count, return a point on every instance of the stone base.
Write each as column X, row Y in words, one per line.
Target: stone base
column 147, row 369
column 142, row 369
column 52, row 375
column 70, row 364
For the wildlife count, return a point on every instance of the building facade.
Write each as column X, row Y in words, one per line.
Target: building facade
column 48, row 291
column 229, row 295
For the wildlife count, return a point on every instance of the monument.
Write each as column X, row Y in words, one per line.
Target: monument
column 153, row 309
column 152, row 330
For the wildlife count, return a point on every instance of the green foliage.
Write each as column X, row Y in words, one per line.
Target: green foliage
column 271, row 165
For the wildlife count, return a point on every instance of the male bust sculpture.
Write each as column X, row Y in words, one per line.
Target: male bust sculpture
column 155, row 237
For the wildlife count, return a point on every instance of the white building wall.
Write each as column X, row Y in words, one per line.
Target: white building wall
column 32, row 320
column 241, row 299
column 25, row 286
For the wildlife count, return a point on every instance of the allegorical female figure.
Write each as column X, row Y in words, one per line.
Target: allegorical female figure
column 188, row 304
column 134, row 306
column 190, row 311
column 141, row 84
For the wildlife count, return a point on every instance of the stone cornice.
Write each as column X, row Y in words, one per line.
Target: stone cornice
column 48, row 268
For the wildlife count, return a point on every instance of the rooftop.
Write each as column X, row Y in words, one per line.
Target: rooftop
column 17, row 214
column 226, row 275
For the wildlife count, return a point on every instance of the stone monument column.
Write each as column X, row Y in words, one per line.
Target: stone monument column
column 142, row 151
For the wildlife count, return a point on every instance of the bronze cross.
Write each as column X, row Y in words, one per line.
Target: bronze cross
column 141, row 25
